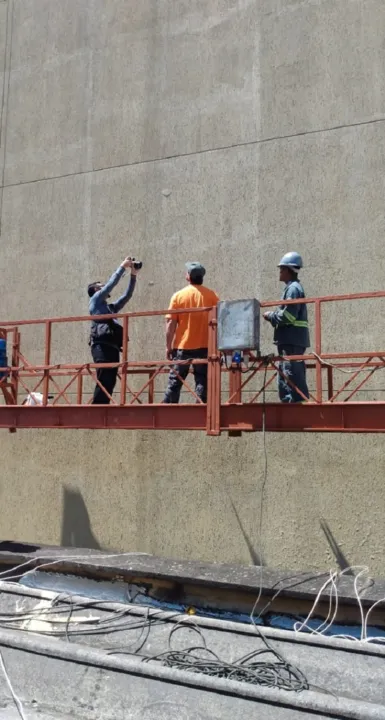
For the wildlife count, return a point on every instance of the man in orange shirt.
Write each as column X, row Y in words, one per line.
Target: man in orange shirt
column 187, row 333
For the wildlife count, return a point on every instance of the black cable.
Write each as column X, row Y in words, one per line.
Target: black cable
column 251, row 367
column 271, row 673
column 183, row 625
column 278, row 673
column 254, row 668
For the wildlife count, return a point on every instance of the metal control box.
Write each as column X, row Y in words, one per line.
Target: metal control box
column 238, row 324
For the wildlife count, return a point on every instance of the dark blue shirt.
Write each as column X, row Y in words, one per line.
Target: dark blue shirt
column 290, row 322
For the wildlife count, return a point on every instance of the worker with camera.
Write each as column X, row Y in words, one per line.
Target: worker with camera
column 106, row 336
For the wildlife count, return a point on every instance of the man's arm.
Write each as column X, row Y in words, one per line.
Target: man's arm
column 285, row 314
column 105, row 291
column 171, row 325
column 123, row 300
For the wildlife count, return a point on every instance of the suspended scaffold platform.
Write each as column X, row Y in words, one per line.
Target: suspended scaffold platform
column 241, row 396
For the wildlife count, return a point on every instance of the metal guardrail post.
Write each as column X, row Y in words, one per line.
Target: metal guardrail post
column 213, row 426
column 318, row 349
column 79, row 393
column 123, row 384
column 47, row 359
column 15, row 362
column 151, row 388
column 235, row 391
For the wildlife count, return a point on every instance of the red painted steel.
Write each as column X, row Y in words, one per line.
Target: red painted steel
column 228, row 408
column 246, row 417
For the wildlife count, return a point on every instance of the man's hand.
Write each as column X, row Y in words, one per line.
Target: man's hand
column 266, row 316
column 128, row 263
column 134, row 271
column 169, row 354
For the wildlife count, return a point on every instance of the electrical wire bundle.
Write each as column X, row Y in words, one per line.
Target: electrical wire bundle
column 329, row 592
column 64, row 615
column 251, row 668
column 332, row 584
column 264, row 666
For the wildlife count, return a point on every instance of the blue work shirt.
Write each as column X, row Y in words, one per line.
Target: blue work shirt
column 290, row 322
column 98, row 304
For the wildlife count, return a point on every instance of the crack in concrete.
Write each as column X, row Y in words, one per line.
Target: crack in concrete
column 246, row 143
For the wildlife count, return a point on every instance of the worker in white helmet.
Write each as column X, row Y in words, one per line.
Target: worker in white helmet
column 291, row 331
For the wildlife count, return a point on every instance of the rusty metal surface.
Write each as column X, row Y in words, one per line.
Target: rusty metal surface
column 332, row 407
column 310, row 417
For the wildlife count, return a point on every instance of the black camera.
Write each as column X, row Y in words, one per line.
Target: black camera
column 137, row 264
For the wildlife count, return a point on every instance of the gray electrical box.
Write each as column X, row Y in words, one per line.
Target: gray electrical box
column 238, row 324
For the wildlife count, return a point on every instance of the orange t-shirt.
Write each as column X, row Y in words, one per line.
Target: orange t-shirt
column 192, row 328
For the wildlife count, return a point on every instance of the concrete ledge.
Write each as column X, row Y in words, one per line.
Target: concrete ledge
column 172, row 574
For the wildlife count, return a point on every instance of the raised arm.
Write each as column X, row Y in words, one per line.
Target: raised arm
column 121, row 302
column 105, row 291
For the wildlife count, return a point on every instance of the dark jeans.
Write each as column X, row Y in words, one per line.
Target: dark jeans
column 295, row 371
column 200, row 375
column 105, row 354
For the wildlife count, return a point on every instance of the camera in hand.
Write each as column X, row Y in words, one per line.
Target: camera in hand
column 137, row 264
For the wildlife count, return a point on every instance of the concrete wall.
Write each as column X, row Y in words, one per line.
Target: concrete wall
column 264, row 122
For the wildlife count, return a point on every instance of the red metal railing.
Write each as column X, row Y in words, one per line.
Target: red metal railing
column 233, row 402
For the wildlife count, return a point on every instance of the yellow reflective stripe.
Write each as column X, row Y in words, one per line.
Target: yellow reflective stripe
column 297, row 323
column 291, row 320
column 301, row 323
column 289, row 317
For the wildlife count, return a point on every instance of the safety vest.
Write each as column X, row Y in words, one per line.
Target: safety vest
column 292, row 327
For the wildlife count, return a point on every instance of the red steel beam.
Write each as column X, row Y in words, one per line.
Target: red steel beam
column 354, row 417
column 359, row 417
column 97, row 417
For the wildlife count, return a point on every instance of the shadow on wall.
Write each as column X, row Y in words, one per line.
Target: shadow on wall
column 341, row 559
column 256, row 559
column 76, row 527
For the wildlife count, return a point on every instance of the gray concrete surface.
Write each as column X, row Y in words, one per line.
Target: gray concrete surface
column 104, row 676
column 3, row 58
column 103, row 93
column 321, row 64
column 350, row 670
column 92, row 693
column 3, row 44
